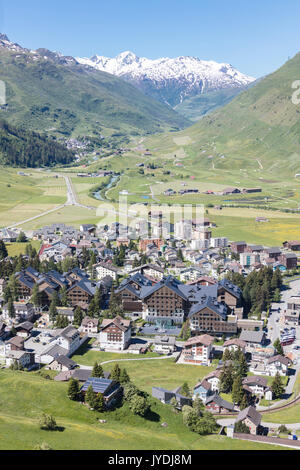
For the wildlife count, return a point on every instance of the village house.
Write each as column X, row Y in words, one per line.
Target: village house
column 278, row 364
column 198, row 350
column 164, row 344
column 216, row 404
column 115, row 334
column 81, row 294
column 69, row 339
column 24, row 311
column 251, row 418
column 62, row 364
column 289, row 260
column 238, row 247
column 258, row 386
column 15, row 344
column 90, row 325
column 165, row 396
column 150, row 270
column 213, row 378
column 24, row 359
column 24, row 329
column 110, row 389
column 202, row 390
column 67, row 312
column 235, row 344
column 293, row 245
column 253, row 339
column 101, row 270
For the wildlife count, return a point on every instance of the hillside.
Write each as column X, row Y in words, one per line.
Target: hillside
column 49, row 92
column 196, row 107
column 258, row 130
column 19, row 147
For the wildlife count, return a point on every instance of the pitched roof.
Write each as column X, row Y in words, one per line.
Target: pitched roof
column 284, row 360
column 251, row 414
column 118, row 321
column 99, row 385
column 66, row 361
column 220, row 402
column 255, row 380
column 252, row 336
column 235, row 341
column 207, row 340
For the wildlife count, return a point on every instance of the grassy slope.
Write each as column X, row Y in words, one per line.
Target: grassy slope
column 196, row 107
column 44, row 95
column 260, row 123
column 25, row 396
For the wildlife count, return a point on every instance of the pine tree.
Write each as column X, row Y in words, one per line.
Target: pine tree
column 185, row 390
column 226, row 378
column 277, row 386
column 99, row 404
column 11, row 309
column 7, row 294
column 244, row 402
column 73, row 389
column 115, row 373
column 198, row 406
column 56, row 299
column 36, row 296
column 3, row 250
column 226, row 355
column 64, row 297
column 97, row 370
column 124, row 377
column 13, row 286
column 90, row 396
column 52, row 312
column 237, row 390
column 277, row 345
column 78, row 316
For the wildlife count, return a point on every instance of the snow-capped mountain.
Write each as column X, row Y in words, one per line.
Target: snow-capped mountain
column 170, row 80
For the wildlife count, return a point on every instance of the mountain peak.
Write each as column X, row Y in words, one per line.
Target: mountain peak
column 127, row 57
column 3, row 37
column 170, row 80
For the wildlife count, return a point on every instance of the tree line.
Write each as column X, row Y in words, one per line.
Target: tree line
column 20, row 147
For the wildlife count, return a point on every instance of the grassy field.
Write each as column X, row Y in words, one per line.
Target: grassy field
column 25, row 396
column 87, row 357
column 23, row 197
column 15, row 249
column 289, row 415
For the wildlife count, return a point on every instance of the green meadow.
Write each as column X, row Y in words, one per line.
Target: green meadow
column 25, row 396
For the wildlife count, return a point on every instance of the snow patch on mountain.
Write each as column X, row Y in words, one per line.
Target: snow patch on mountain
column 170, row 80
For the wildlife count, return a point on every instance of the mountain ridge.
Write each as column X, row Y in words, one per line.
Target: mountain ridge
column 170, row 80
column 47, row 91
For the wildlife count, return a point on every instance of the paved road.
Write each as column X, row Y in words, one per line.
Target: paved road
column 71, row 201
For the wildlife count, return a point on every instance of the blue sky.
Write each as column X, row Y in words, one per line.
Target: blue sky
column 255, row 36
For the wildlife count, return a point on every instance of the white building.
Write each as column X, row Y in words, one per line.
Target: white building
column 102, row 270
column 69, row 339
column 219, row 242
column 235, row 344
column 115, row 334
column 198, row 350
column 278, row 364
column 23, row 311
column 164, row 344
